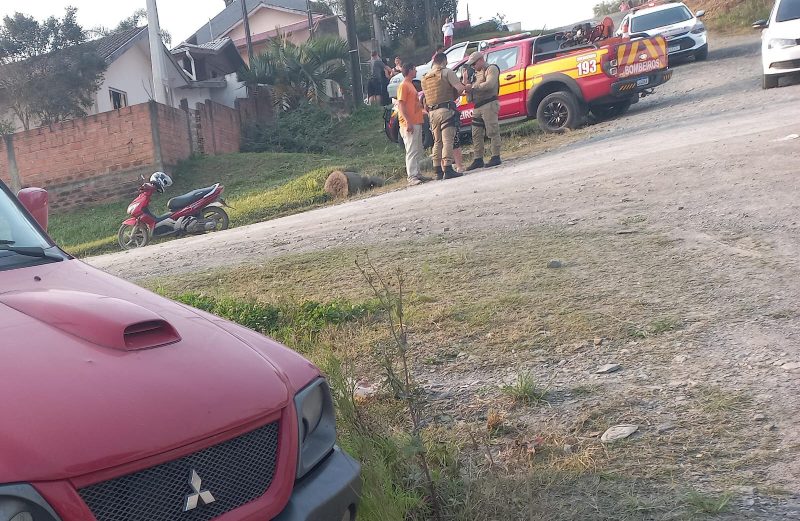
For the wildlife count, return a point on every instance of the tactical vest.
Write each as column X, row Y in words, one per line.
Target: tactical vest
column 437, row 89
column 480, row 77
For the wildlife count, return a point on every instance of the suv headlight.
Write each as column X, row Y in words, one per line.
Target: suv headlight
column 316, row 420
column 23, row 503
column 781, row 43
column 699, row 28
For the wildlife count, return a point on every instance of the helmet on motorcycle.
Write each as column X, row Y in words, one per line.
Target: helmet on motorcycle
column 161, row 180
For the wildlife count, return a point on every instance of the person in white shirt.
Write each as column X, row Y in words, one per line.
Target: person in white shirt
column 447, row 29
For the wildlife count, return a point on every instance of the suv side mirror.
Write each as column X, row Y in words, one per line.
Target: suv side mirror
column 701, row 13
column 760, row 24
column 35, row 200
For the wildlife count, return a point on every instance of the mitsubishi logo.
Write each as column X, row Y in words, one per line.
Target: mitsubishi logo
column 202, row 496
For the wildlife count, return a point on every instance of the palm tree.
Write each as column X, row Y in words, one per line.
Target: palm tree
column 297, row 74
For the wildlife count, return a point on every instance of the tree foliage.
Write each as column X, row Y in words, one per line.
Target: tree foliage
column 404, row 18
column 297, row 73
column 48, row 71
column 400, row 18
column 605, row 8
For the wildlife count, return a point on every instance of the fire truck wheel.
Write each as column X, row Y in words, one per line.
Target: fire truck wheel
column 560, row 111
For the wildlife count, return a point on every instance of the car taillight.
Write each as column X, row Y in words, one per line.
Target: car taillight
column 610, row 67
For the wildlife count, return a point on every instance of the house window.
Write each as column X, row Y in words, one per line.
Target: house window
column 119, row 99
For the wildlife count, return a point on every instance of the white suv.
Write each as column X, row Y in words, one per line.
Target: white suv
column 780, row 42
column 454, row 54
column 684, row 32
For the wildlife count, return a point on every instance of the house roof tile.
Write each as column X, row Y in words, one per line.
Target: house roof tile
column 232, row 15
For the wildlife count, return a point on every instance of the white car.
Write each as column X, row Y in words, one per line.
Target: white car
column 780, row 42
column 454, row 55
column 685, row 34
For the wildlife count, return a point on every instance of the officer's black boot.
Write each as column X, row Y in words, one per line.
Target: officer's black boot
column 494, row 161
column 449, row 173
column 478, row 163
column 439, row 173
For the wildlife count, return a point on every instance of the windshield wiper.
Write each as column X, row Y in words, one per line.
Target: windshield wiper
column 29, row 251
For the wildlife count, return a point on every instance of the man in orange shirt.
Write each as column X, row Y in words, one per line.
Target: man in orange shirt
column 411, row 118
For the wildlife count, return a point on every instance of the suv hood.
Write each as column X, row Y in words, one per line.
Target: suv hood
column 97, row 372
column 787, row 29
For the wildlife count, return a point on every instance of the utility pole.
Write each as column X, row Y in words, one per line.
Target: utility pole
column 156, row 54
column 352, row 46
column 428, row 26
column 246, row 21
column 310, row 20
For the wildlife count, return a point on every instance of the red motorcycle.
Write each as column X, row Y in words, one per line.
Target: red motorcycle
column 197, row 212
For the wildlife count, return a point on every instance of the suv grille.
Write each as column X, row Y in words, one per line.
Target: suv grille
column 236, row 472
column 685, row 43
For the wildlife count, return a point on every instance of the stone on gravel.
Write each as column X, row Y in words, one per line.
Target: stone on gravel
column 618, row 432
column 791, row 366
column 598, row 341
column 759, row 417
column 608, row 369
column 554, row 264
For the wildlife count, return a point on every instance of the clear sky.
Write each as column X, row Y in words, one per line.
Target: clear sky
column 183, row 17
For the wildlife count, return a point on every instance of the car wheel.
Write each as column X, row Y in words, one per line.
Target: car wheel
column 769, row 81
column 560, row 111
column 701, row 54
column 615, row 110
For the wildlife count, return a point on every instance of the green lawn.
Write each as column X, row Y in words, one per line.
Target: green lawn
column 258, row 186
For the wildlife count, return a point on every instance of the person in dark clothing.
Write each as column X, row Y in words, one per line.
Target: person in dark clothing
column 376, row 87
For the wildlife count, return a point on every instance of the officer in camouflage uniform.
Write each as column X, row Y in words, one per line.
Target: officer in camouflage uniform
column 484, row 92
column 441, row 87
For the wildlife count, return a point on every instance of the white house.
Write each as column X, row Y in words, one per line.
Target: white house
column 194, row 73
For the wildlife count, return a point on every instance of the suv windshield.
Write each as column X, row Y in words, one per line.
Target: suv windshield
column 674, row 15
column 788, row 10
column 15, row 229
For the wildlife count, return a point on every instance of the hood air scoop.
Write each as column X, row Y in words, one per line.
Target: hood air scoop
column 104, row 321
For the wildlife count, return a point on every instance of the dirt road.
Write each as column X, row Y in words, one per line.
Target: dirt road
column 710, row 134
column 709, row 161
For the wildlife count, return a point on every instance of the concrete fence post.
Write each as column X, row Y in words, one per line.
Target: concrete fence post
column 13, row 171
column 156, row 132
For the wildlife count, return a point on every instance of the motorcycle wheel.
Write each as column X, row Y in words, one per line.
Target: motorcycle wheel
column 130, row 237
column 218, row 216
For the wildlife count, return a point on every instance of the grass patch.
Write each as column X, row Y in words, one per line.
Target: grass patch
column 258, row 186
column 717, row 400
column 493, row 298
column 702, row 503
column 656, row 327
column 525, row 390
column 741, row 16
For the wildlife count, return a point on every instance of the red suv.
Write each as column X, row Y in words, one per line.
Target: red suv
column 121, row 405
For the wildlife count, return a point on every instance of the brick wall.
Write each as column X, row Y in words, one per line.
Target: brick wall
column 174, row 135
column 87, row 147
column 99, row 158
column 219, row 129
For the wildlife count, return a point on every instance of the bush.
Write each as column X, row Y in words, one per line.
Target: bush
column 307, row 129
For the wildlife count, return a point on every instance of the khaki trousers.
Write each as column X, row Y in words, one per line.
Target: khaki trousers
column 444, row 133
column 412, row 138
column 485, row 123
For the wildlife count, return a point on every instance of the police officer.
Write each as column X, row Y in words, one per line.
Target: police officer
column 441, row 86
column 484, row 92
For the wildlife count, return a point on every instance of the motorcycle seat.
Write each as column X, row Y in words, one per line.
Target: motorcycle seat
column 182, row 201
